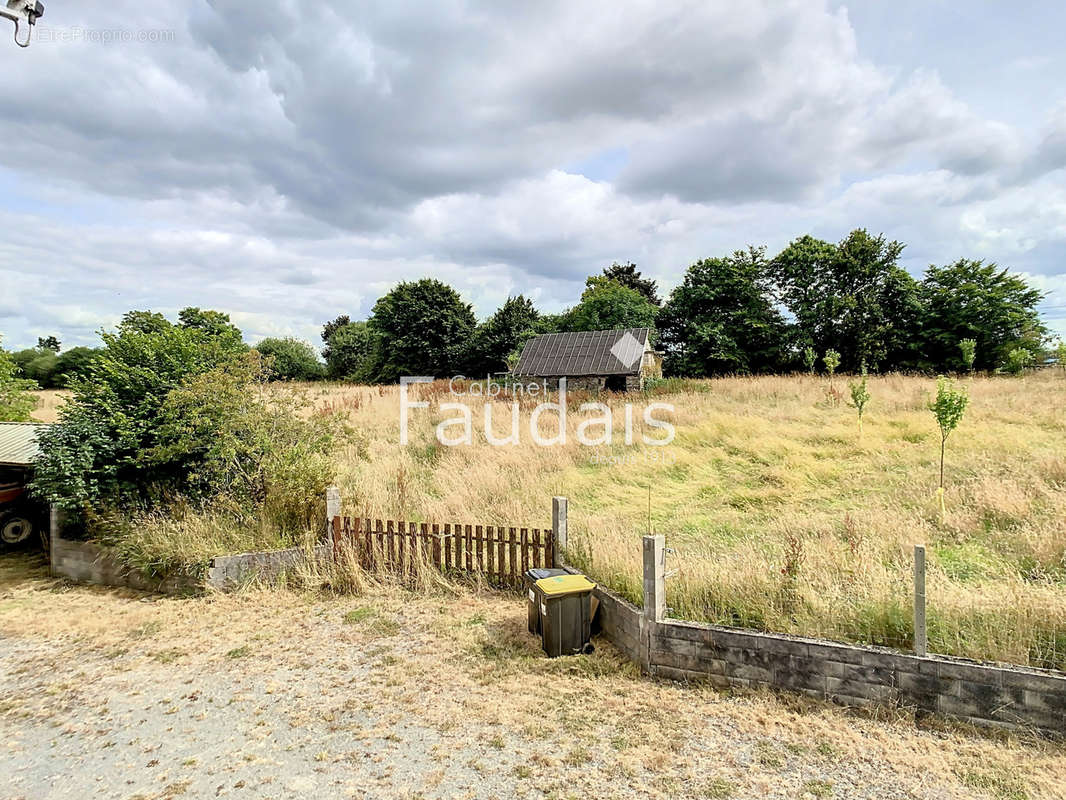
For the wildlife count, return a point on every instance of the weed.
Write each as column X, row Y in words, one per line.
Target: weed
column 1000, row 782
column 718, row 789
column 818, row 788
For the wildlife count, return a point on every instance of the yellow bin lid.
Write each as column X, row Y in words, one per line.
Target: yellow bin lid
column 565, row 584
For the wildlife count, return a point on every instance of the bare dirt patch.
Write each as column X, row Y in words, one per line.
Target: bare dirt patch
column 108, row 693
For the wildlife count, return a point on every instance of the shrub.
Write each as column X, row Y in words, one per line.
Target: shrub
column 16, row 400
column 810, row 359
column 831, row 359
column 1018, row 360
column 290, row 359
column 101, row 450
column 968, row 348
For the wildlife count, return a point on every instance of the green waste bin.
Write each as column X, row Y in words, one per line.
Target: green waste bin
column 565, row 614
column 533, row 594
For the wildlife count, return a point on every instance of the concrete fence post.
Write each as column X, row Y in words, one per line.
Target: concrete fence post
column 654, row 578
column 558, row 530
column 920, row 634
column 654, row 595
column 333, row 507
column 55, row 522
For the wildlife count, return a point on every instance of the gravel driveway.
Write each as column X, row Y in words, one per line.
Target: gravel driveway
column 110, row 694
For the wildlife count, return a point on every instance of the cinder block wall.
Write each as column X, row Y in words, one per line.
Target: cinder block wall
column 983, row 694
column 87, row 562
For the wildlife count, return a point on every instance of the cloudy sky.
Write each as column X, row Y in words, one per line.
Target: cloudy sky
column 286, row 162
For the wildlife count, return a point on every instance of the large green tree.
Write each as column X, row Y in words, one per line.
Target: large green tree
column 419, row 328
column 721, row 319
column 628, row 275
column 290, row 359
column 37, row 364
column 72, row 364
column 213, row 323
column 347, row 351
column 983, row 302
column 608, row 305
column 851, row 297
column 498, row 338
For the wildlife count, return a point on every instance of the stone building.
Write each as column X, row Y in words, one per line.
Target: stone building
column 614, row 361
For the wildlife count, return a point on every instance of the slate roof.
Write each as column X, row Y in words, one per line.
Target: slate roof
column 583, row 353
column 18, row 443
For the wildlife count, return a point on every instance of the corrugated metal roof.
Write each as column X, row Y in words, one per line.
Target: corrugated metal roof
column 18, row 442
column 584, row 353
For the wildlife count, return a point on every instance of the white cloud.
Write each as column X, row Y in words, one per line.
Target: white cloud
column 288, row 163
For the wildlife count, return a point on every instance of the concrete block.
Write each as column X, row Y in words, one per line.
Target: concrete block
column 834, row 652
column 991, row 698
column 750, row 673
column 975, row 673
column 1047, row 702
column 855, row 688
column 869, row 674
column 1054, row 682
column 802, row 681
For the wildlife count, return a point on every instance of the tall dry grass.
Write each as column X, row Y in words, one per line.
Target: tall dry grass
column 48, row 403
column 781, row 516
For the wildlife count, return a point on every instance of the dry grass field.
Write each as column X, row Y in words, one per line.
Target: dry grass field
column 294, row 694
column 48, row 403
column 781, row 516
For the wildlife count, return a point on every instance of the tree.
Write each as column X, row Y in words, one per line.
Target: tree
column 290, row 359
column 968, row 349
column 948, row 407
column 419, row 328
column 99, row 452
column 347, row 350
column 851, row 297
column 810, row 359
column 608, row 305
column 502, row 335
column 1018, row 361
column 982, row 302
column 721, row 319
column 629, row 276
column 39, row 365
column 16, row 394
column 48, row 343
column 1060, row 354
column 331, row 328
column 860, row 396
column 73, row 364
column 831, row 359
column 212, row 323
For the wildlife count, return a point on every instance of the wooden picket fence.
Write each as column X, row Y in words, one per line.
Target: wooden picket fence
column 500, row 554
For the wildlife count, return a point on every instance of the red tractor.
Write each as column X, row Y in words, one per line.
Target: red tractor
column 20, row 517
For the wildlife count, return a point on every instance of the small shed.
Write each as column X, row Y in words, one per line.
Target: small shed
column 18, row 443
column 20, row 515
column 616, row 361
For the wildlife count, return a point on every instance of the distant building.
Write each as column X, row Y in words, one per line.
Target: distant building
column 615, row 361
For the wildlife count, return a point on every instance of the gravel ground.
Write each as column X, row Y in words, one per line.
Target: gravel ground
column 110, row 694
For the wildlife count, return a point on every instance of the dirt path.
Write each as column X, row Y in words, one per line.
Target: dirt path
column 106, row 694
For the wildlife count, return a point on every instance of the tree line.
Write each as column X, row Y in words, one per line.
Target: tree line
column 743, row 313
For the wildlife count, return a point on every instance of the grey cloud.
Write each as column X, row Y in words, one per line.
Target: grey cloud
column 288, row 162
